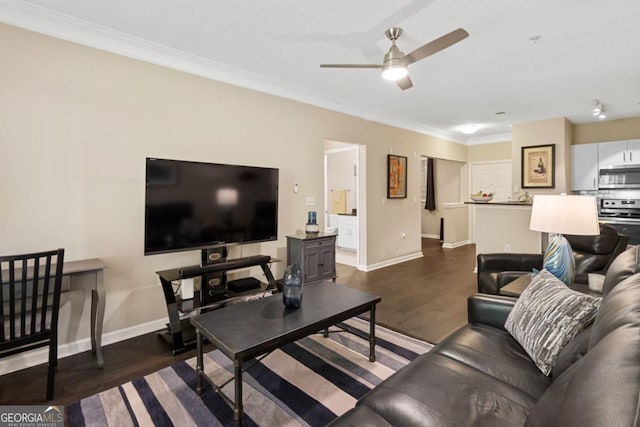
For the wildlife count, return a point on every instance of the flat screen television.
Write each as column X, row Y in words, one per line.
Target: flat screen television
column 195, row 205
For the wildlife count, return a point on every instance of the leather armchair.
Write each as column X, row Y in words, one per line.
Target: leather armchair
column 593, row 254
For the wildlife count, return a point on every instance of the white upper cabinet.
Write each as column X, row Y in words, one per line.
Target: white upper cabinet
column 618, row 153
column 584, row 171
column 612, row 153
column 633, row 146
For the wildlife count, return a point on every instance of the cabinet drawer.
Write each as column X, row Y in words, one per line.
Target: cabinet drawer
column 320, row 242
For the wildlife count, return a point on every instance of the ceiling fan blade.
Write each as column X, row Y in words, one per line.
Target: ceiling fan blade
column 405, row 83
column 350, row 66
column 436, row 45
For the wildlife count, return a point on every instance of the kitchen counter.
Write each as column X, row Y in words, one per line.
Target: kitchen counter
column 508, row 203
column 503, row 227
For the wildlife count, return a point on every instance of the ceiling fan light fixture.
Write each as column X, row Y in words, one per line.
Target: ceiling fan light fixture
column 394, row 72
column 395, row 63
column 469, row 129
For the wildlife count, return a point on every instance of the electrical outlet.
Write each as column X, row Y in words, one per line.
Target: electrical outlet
column 310, row 200
column 403, row 236
column 507, row 247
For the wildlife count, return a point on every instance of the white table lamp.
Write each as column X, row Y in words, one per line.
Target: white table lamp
column 562, row 214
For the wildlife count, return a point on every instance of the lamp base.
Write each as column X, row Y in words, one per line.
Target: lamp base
column 559, row 261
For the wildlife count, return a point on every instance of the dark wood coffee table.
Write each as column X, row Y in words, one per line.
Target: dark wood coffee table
column 251, row 329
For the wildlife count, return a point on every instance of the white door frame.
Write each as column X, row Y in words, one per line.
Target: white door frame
column 361, row 199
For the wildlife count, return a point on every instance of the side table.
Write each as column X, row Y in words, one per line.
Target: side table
column 515, row 288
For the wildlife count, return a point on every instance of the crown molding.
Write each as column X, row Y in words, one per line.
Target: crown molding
column 490, row 139
column 46, row 21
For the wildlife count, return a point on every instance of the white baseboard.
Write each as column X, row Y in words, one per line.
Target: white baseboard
column 394, row 261
column 430, row 236
column 40, row 356
column 456, row 244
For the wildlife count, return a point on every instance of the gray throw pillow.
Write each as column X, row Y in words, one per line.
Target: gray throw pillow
column 547, row 316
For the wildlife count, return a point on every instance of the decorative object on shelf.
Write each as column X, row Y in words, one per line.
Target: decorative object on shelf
column 539, row 166
column 481, row 196
column 525, row 198
column 562, row 214
column 312, row 226
column 396, row 177
column 292, row 287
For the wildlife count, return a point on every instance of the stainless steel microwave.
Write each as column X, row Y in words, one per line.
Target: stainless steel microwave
column 619, row 177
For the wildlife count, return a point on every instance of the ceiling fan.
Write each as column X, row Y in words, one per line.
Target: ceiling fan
column 394, row 66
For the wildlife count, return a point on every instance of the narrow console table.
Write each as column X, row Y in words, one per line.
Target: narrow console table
column 87, row 274
column 177, row 327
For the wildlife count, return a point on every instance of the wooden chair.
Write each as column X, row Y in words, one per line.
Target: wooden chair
column 30, row 296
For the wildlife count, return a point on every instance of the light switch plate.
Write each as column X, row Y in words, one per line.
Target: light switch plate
column 310, row 200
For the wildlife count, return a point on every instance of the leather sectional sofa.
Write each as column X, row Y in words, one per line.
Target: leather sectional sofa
column 481, row 376
column 593, row 254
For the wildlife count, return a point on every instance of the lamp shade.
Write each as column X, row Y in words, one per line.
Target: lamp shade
column 562, row 214
column 565, row 214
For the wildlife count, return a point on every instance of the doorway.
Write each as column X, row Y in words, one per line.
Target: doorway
column 344, row 206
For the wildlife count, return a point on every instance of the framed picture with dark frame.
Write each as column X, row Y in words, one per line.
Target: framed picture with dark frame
column 396, row 177
column 539, row 166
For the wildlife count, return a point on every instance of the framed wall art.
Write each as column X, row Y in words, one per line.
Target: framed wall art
column 539, row 166
column 396, row 177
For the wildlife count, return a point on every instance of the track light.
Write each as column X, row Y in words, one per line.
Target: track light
column 598, row 110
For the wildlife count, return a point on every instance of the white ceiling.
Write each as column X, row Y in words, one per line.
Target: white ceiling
column 587, row 50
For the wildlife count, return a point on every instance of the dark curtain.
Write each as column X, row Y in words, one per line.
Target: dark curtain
column 430, row 204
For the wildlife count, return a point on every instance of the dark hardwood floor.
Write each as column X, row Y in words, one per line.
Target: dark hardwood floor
column 425, row 298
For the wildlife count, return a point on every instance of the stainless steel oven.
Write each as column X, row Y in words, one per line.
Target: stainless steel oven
column 624, row 215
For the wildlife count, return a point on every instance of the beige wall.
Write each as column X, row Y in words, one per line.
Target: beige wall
column 610, row 130
column 77, row 123
column 552, row 131
column 456, row 225
column 489, row 152
column 447, row 181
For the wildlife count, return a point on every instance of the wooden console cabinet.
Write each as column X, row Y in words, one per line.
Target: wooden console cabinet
column 316, row 255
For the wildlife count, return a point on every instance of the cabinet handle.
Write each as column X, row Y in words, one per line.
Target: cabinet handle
column 624, row 156
column 631, row 156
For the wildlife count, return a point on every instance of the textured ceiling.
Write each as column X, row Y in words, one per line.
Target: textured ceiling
column 584, row 50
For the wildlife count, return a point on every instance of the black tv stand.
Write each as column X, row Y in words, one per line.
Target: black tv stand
column 178, row 332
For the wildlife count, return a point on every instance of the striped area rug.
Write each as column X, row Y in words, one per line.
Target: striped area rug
column 308, row 383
